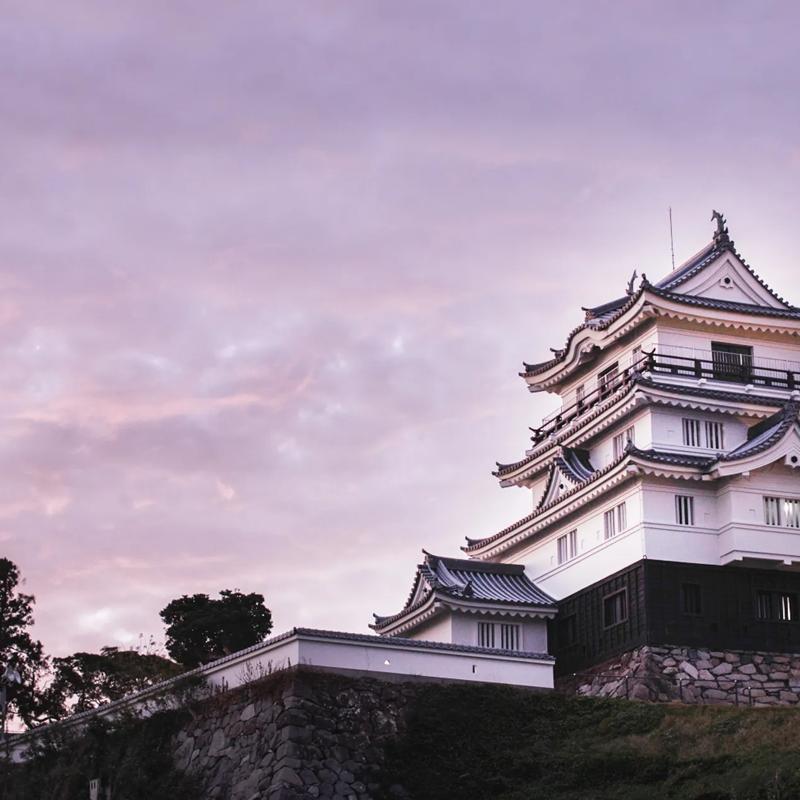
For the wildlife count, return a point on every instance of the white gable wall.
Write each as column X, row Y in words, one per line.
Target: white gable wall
column 728, row 279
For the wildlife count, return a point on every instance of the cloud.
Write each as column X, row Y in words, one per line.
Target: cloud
column 266, row 280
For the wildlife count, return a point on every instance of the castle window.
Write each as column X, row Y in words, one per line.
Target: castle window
column 684, row 509
column 791, row 513
column 620, row 442
column 782, row 511
column 615, row 520
column 764, row 605
column 509, row 636
column 731, row 362
column 485, row 634
column 691, row 602
column 787, row 607
column 567, row 546
column 580, row 392
column 605, row 380
column 772, row 510
column 615, row 608
column 781, row 606
column 691, row 432
column 714, row 435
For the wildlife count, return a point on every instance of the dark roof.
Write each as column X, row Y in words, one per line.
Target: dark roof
column 760, row 437
column 603, row 315
column 476, row 544
column 575, row 464
column 474, row 581
column 639, row 380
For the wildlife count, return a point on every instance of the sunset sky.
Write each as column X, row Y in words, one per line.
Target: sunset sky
column 269, row 270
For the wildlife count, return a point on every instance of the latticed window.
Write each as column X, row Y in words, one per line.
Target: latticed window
column 787, row 607
column 691, row 432
column 486, row 634
column 764, row 605
column 772, row 510
column 715, row 439
column 621, row 440
column 567, row 546
column 684, row 509
column 791, row 513
column 615, row 608
column 509, row 636
column 615, row 520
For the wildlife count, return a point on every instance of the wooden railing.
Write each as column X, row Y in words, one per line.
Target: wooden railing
column 724, row 367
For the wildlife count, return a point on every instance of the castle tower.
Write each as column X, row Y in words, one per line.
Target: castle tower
column 665, row 488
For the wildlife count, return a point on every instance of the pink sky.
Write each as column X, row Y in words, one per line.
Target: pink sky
column 269, row 271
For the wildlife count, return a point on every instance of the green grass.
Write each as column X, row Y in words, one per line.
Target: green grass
column 492, row 743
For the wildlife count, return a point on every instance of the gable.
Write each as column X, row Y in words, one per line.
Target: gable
column 727, row 278
column 558, row 482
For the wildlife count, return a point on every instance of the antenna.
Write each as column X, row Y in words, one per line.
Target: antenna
column 671, row 239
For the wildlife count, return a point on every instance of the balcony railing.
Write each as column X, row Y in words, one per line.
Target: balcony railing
column 680, row 362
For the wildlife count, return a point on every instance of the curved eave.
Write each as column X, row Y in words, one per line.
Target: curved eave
column 642, row 390
column 602, row 481
column 653, row 302
column 440, row 602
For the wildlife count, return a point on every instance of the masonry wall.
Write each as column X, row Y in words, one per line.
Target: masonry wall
column 300, row 735
column 695, row 676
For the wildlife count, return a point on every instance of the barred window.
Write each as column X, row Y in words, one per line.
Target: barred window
column 691, row 432
column 764, row 605
column 715, row 439
column 772, row 510
column 615, row 608
column 787, row 607
column 509, row 636
column 567, row 546
column 622, row 517
column 684, row 509
column 486, row 634
column 620, row 442
column 791, row 513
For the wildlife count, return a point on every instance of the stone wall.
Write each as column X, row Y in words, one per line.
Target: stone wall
column 297, row 735
column 692, row 675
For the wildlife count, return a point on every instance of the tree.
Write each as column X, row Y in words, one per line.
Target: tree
column 201, row 629
column 17, row 647
column 84, row 681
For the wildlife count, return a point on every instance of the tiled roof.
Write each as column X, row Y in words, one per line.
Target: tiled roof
column 639, row 380
column 603, row 315
column 476, row 544
column 473, row 581
column 760, row 437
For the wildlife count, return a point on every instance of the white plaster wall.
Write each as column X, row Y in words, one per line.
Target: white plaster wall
column 533, row 636
column 597, row 556
column 601, row 451
column 776, row 347
column 667, row 429
column 438, row 629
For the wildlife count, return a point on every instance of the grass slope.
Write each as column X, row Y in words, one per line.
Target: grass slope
column 479, row 742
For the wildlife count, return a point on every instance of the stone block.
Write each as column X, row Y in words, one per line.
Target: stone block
column 248, row 713
column 723, row 668
column 715, row 694
column 705, row 675
column 788, row 697
column 689, row 669
column 669, row 662
column 747, row 669
column 779, row 676
column 703, row 663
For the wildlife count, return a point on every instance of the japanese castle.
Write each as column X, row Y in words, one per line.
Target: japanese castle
column 665, row 489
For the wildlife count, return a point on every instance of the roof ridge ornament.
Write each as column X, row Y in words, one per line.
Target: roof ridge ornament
column 721, row 235
column 629, row 290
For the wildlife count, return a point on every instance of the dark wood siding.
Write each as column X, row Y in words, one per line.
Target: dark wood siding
column 728, row 615
column 727, row 618
column 581, row 638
